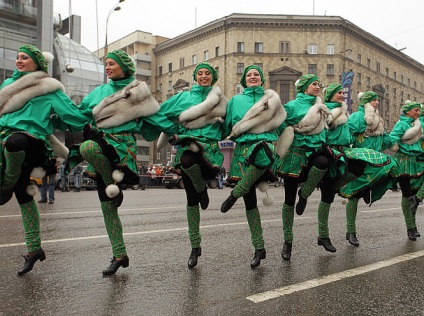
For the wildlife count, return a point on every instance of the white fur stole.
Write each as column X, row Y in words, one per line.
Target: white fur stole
column 264, row 116
column 315, row 120
column 413, row 134
column 211, row 110
column 130, row 103
column 375, row 124
column 339, row 116
column 15, row 95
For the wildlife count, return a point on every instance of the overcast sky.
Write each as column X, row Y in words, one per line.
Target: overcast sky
column 398, row 23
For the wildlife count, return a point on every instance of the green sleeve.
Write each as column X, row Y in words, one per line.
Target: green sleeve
column 357, row 123
column 68, row 115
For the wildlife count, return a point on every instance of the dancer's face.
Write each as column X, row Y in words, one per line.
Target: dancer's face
column 374, row 104
column 24, row 63
column 338, row 97
column 253, row 78
column 313, row 89
column 204, row 77
column 414, row 113
column 113, row 70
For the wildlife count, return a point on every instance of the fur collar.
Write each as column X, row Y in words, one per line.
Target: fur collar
column 375, row 124
column 339, row 116
column 211, row 110
column 264, row 116
column 15, row 95
column 413, row 134
column 130, row 103
column 315, row 120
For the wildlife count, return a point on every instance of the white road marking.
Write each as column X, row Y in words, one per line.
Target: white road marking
column 261, row 297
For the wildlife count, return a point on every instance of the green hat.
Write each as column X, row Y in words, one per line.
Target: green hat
column 246, row 70
column 305, row 81
column 331, row 90
column 124, row 61
column 210, row 68
column 36, row 55
column 367, row 97
column 409, row 106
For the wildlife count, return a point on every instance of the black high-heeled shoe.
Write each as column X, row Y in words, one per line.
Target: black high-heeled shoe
column 287, row 250
column 416, row 232
column 195, row 254
column 411, row 234
column 5, row 197
column 228, row 203
column 116, row 264
column 351, row 238
column 301, row 204
column 30, row 260
column 326, row 243
column 204, row 199
column 257, row 257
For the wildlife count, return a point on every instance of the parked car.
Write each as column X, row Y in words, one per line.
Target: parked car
column 173, row 180
column 86, row 183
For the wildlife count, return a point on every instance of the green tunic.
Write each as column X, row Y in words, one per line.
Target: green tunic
column 256, row 149
column 206, row 137
column 340, row 135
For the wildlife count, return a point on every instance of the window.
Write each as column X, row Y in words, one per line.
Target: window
column 206, row 55
column 160, row 87
column 387, row 72
column 359, row 58
column 401, row 78
column 170, row 67
column 194, row 60
column 378, row 67
column 359, row 78
column 401, row 95
column 394, row 75
column 259, row 47
column 285, row 89
column 409, row 82
column 217, row 51
column 284, row 47
column 368, row 82
column 181, row 62
column 143, row 150
column 169, row 85
column 409, row 97
column 387, row 89
column 240, row 68
column 330, row 49
column 312, row 49
column 330, row 69
column 394, row 92
column 312, row 69
column 415, row 85
column 168, row 155
column 239, row 89
column 160, row 70
column 368, row 63
column 158, row 155
column 240, row 47
column 260, row 65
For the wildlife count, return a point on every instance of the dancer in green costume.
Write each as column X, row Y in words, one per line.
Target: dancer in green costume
column 28, row 100
column 251, row 119
column 304, row 157
column 116, row 111
column 407, row 135
column 200, row 111
column 380, row 171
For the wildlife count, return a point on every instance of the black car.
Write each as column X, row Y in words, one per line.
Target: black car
column 173, row 180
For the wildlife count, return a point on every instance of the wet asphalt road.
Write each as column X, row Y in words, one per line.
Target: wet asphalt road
column 383, row 276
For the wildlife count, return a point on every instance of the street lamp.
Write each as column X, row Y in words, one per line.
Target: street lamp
column 116, row 7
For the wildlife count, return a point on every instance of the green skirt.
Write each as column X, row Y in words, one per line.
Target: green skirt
column 260, row 154
column 409, row 166
column 209, row 155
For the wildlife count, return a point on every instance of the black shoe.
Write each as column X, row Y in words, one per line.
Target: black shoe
column 367, row 196
column 257, row 257
column 117, row 200
column 301, row 205
column 287, row 250
column 42, row 201
column 31, row 260
column 414, row 202
column 411, row 234
column 416, row 232
column 228, row 203
column 326, row 243
column 351, row 238
column 204, row 199
column 116, row 264
column 192, row 260
column 5, row 197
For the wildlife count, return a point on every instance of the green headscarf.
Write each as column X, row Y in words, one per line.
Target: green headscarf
column 331, row 90
column 305, row 81
column 124, row 61
column 208, row 67
column 409, row 106
column 367, row 97
column 36, row 55
column 243, row 76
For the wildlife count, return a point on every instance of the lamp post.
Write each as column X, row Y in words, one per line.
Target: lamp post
column 116, row 7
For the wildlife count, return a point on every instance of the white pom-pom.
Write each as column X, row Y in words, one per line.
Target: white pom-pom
column 360, row 94
column 297, row 82
column 344, row 202
column 269, row 200
column 117, row 175
column 38, row 172
column 32, row 189
column 112, row 190
column 48, row 57
column 407, row 101
column 263, row 186
column 193, row 147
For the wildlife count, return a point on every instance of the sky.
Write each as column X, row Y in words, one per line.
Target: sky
column 398, row 23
